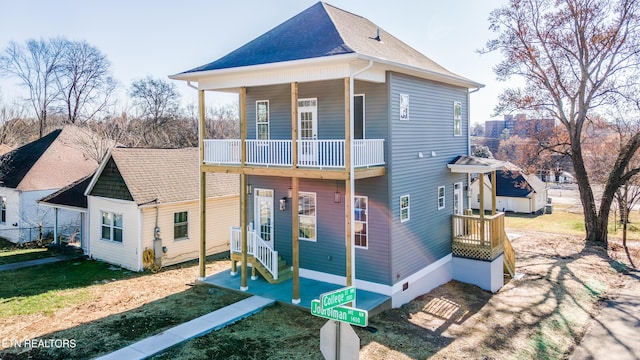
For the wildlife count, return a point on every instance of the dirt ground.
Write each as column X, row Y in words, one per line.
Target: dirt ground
column 542, row 313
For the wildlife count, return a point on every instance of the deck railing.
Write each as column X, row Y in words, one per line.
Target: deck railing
column 311, row 153
column 257, row 248
column 478, row 238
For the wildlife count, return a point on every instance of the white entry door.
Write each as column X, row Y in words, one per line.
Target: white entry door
column 457, row 199
column 307, row 131
column 263, row 214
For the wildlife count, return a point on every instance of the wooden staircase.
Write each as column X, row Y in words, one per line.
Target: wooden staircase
column 284, row 269
column 509, row 256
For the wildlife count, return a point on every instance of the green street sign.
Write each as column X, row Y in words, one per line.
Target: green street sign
column 345, row 314
column 339, row 297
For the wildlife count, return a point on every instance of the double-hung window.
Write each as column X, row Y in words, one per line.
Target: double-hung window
column 262, row 120
column 111, row 227
column 457, row 118
column 3, row 210
column 307, row 219
column 180, row 225
column 361, row 221
column 404, row 208
column 440, row 197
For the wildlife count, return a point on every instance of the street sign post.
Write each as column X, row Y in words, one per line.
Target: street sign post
column 341, row 313
column 339, row 297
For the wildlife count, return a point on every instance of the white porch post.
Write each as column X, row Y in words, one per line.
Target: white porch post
column 56, row 240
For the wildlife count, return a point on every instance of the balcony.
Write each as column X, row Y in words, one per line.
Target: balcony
column 318, row 154
column 482, row 238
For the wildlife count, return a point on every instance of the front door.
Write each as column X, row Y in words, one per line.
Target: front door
column 307, row 130
column 457, row 199
column 263, row 214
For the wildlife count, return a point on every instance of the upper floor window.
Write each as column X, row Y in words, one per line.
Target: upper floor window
column 404, row 107
column 262, row 120
column 111, row 227
column 404, row 208
column 180, row 225
column 3, row 210
column 457, row 118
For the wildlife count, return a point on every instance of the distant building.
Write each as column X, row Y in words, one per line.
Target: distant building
column 493, row 128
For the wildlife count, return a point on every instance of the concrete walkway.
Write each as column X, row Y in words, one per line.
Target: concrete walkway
column 35, row 262
column 615, row 332
column 197, row 327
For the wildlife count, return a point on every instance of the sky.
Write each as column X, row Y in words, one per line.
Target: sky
column 160, row 38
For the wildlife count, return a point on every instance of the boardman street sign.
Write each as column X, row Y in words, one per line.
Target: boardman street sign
column 339, row 297
column 345, row 314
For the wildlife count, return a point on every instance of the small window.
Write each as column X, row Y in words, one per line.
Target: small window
column 3, row 210
column 307, row 216
column 262, row 120
column 111, row 227
column 361, row 221
column 404, row 107
column 457, row 118
column 180, row 225
column 404, row 208
column 440, row 197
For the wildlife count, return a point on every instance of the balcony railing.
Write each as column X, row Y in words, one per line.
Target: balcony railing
column 311, row 153
column 478, row 238
column 257, row 248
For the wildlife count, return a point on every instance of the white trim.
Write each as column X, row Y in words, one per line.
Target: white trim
column 459, row 188
column 256, row 215
column 397, row 287
column 315, row 216
column 174, row 226
column 98, row 172
column 66, row 207
column 112, row 226
column 444, row 197
column 139, row 248
column 365, row 222
column 268, row 120
column 408, row 208
column 342, row 280
column 407, row 117
column 455, row 104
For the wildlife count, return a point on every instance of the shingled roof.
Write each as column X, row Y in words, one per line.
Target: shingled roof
column 51, row 162
column 513, row 183
column 71, row 196
column 165, row 175
column 323, row 30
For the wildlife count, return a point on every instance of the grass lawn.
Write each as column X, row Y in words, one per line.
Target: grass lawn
column 11, row 253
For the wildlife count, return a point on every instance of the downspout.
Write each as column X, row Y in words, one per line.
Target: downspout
column 189, row 84
column 469, row 143
column 352, row 170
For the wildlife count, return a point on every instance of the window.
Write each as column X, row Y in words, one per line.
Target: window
column 262, row 120
column 358, row 116
column 307, row 216
column 361, row 220
column 180, row 225
column 111, row 227
column 3, row 211
column 457, row 118
column 404, row 107
column 404, row 208
column 440, row 197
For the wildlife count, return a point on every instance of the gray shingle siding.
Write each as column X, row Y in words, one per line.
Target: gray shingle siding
column 110, row 184
column 426, row 237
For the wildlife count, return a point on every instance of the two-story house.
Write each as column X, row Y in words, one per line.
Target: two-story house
column 349, row 159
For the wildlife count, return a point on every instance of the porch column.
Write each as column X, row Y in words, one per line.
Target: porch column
column 243, row 188
column 349, row 183
column 494, row 181
column 56, row 239
column 295, row 250
column 481, row 178
column 203, row 187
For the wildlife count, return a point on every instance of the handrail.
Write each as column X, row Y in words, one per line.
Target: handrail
column 256, row 247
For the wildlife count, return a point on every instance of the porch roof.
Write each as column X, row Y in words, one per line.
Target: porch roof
column 474, row 165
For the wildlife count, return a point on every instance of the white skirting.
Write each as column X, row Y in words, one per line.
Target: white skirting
column 488, row 275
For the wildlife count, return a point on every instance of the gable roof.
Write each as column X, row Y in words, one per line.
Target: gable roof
column 510, row 182
column 473, row 164
column 70, row 196
column 323, row 31
column 4, row 148
column 50, row 162
column 165, row 175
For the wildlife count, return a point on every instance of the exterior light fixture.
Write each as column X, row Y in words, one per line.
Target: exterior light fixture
column 249, row 189
column 289, row 190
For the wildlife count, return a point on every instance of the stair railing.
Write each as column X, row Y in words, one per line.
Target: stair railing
column 256, row 247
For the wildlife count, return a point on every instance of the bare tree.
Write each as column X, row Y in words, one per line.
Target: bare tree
column 35, row 63
column 157, row 99
column 84, row 81
column 575, row 56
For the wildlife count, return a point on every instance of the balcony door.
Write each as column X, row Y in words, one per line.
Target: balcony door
column 307, row 130
column 263, row 214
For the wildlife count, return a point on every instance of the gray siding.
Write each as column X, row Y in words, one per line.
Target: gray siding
column 327, row 254
column 110, row 184
column 426, row 237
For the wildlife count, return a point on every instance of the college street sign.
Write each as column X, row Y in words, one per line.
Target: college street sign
column 339, row 297
column 341, row 313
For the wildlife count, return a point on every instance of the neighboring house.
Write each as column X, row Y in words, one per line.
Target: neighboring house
column 515, row 192
column 34, row 171
column 4, row 148
column 142, row 199
column 347, row 135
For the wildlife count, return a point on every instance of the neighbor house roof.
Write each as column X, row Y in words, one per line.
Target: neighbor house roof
column 474, row 164
column 50, row 162
column 323, row 31
column 165, row 175
column 70, row 196
column 4, row 148
column 513, row 183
